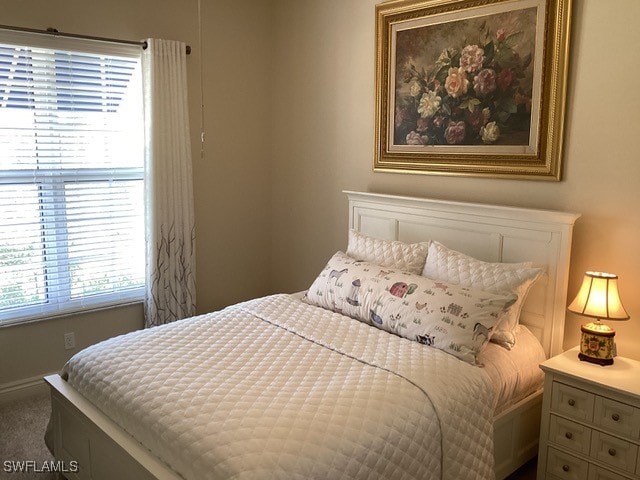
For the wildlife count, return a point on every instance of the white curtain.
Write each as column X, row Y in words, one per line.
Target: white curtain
column 170, row 231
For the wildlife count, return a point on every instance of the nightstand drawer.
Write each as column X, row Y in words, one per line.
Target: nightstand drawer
column 618, row 418
column 614, row 451
column 597, row 473
column 572, row 402
column 563, row 465
column 570, row 434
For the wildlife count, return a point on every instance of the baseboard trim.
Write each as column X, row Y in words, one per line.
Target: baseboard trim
column 27, row 387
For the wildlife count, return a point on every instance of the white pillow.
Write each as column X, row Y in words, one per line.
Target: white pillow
column 450, row 266
column 408, row 257
column 458, row 320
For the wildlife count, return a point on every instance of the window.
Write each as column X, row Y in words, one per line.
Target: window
column 71, row 175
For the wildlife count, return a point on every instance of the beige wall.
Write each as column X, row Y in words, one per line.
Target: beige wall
column 323, row 143
column 288, row 93
column 233, row 181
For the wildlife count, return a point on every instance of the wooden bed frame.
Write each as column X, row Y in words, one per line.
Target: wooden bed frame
column 79, row 432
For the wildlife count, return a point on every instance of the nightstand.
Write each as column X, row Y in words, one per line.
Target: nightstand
column 590, row 427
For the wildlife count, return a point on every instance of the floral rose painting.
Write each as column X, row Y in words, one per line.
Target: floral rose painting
column 466, row 82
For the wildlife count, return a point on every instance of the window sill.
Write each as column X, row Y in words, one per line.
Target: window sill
column 8, row 323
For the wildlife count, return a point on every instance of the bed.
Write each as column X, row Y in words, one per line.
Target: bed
column 281, row 388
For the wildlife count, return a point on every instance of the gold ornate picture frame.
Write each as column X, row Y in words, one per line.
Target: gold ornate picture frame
column 471, row 87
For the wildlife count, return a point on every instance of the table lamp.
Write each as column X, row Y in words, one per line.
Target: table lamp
column 598, row 298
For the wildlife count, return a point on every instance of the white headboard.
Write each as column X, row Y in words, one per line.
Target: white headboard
column 488, row 232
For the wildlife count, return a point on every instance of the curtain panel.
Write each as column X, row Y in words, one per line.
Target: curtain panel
column 169, row 216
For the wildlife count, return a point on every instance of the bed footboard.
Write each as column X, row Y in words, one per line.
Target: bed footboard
column 91, row 446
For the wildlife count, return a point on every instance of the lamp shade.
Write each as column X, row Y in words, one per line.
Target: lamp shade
column 598, row 297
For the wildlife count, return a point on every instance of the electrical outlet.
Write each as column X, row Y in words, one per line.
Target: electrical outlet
column 69, row 340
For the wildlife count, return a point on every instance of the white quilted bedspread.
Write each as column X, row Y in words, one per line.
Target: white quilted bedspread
column 276, row 388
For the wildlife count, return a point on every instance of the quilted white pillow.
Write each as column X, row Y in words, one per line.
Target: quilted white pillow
column 450, row 266
column 456, row 319
column 408, row 257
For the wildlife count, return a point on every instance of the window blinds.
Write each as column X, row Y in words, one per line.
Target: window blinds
column 71, row 175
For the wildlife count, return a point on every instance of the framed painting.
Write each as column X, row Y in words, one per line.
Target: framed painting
column 471, row 87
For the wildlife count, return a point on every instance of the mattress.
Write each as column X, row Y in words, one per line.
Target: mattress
column 276, row 388
column 514, row 374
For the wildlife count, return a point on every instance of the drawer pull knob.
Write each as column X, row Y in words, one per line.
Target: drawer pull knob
column 612, row 452
column 565, row 468
column 569, row 435
column 615, row 417
column 571, row 402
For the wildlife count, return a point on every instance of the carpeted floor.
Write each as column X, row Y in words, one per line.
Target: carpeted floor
column 527, row 472
column 22, row 427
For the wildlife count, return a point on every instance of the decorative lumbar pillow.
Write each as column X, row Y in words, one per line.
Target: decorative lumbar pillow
column 456, row 319
column 408, row 257
column 448, row 265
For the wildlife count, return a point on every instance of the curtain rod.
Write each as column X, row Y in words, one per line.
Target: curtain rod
column 54, row 32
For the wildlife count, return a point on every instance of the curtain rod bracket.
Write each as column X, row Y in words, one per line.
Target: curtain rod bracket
column 145, row 45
